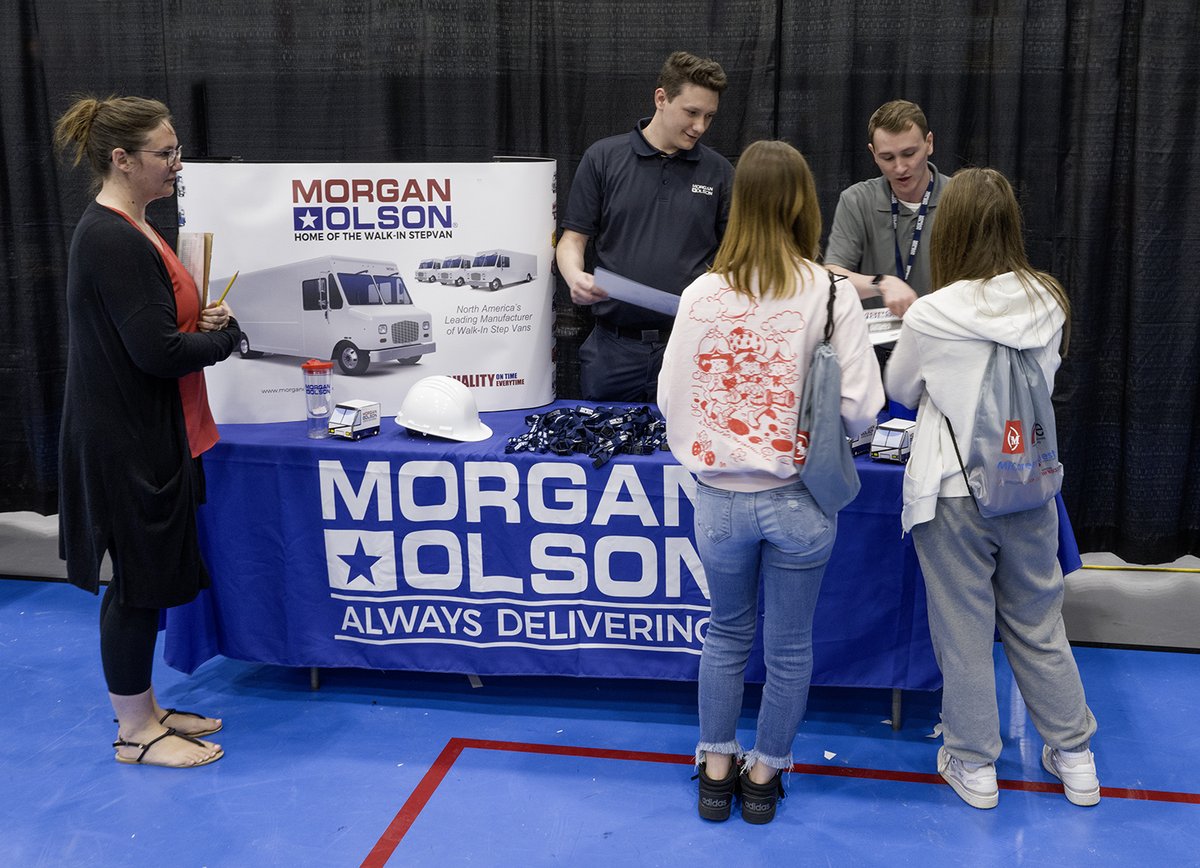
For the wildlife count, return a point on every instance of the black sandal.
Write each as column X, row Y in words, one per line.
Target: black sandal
column 169, row 711
column 175, row 711
column 141, row 758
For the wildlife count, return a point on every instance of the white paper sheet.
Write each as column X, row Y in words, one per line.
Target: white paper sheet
column 624, row 289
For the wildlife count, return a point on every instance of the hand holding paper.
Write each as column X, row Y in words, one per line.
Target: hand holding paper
column 631, row 291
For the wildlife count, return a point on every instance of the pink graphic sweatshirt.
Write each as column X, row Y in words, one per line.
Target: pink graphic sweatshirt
column 733, row 373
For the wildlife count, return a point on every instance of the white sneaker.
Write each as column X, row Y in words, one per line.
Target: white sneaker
column 976, row 786
column 1077, row 771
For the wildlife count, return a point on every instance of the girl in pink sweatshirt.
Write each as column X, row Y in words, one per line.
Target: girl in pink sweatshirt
column 730, row 386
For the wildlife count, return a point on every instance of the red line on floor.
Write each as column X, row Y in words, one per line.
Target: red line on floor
column 402, row 822
column 1022, row 786
column 570, row 750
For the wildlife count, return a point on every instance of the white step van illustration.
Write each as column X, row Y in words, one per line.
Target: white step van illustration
column 354, row 311
column 496, row 268
column 427, row 270
column 454, row 270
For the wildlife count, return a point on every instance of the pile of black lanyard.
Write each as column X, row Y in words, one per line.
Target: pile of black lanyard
column 597, row 432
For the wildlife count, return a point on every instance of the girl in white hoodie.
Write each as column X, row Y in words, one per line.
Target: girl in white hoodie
column 984, row 575
column 732, row 376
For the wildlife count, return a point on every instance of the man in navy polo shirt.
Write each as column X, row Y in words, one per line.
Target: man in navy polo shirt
column 655, row 201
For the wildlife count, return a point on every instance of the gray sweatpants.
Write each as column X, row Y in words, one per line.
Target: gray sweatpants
column 984, row 574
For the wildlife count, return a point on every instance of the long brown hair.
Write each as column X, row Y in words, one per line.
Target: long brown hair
column 978, row 235
column 774, row 221
column 93, row 128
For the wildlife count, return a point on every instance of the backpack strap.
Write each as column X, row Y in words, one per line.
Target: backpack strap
column 829, row 306
column 961, row 466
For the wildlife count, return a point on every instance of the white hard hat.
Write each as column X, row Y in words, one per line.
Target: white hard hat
column 443, row 407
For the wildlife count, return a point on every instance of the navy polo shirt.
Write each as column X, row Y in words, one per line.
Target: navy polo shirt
column 653, row 218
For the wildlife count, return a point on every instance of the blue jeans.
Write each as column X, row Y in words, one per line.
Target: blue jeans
column 780, row 539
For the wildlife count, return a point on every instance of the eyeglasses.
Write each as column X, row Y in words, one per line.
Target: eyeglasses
column 170, row 155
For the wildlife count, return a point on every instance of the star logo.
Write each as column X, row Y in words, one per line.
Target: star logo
column 306, row 219
column 360, row 564
column 361, row 560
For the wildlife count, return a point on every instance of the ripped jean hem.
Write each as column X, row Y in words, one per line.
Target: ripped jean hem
column 731, row 748
column 776, row 762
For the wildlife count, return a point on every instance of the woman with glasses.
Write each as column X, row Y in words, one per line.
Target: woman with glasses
column 136, row 416
column 732, row 378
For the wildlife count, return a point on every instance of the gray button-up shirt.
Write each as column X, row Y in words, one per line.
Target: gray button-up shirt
column 862, row 239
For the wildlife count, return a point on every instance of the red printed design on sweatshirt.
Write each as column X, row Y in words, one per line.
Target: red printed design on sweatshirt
column 746, row 379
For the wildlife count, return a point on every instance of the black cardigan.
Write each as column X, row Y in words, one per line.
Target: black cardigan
column 127, row 481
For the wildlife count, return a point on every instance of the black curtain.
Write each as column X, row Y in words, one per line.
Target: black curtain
column 1089, row 107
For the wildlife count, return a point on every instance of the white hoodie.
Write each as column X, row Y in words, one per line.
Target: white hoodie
column 733, row 373
column 938, row 366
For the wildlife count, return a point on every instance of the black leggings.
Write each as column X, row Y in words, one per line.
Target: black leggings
column 127, row 637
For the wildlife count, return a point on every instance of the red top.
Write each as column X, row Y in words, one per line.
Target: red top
column 201, row 429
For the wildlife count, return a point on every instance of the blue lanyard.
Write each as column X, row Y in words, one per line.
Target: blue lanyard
column 599, row 432
column 902, row 270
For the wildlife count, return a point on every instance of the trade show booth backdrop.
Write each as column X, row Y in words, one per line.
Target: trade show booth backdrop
column 396, row 271
column 1089, row 107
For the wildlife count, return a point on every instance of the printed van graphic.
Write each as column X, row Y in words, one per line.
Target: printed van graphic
column 488, row 269
column 427, row 270
column 354, row 311
column 454, row 269
column 493, row 269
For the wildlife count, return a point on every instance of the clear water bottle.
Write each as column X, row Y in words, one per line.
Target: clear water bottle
column 318, row 396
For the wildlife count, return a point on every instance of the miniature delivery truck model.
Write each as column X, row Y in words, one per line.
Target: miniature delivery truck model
column 893, row 440
column 353, row 311
column 354, row 419
column 496, row 268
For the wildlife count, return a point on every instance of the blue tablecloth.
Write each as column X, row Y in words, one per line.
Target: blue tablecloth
column 400, row 552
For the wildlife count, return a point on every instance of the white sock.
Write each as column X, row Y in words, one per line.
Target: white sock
column 1075, row 757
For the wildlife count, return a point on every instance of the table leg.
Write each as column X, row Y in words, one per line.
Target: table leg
column 314, row 678
column 897, row 695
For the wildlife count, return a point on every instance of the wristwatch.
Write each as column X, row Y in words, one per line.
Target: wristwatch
column 876, row 280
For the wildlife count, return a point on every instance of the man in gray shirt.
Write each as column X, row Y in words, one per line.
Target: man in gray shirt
column 880, row 233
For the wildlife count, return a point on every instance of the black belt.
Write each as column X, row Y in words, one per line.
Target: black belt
column 649, row 336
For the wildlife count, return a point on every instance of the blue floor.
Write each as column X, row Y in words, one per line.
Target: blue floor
column 414, row 769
